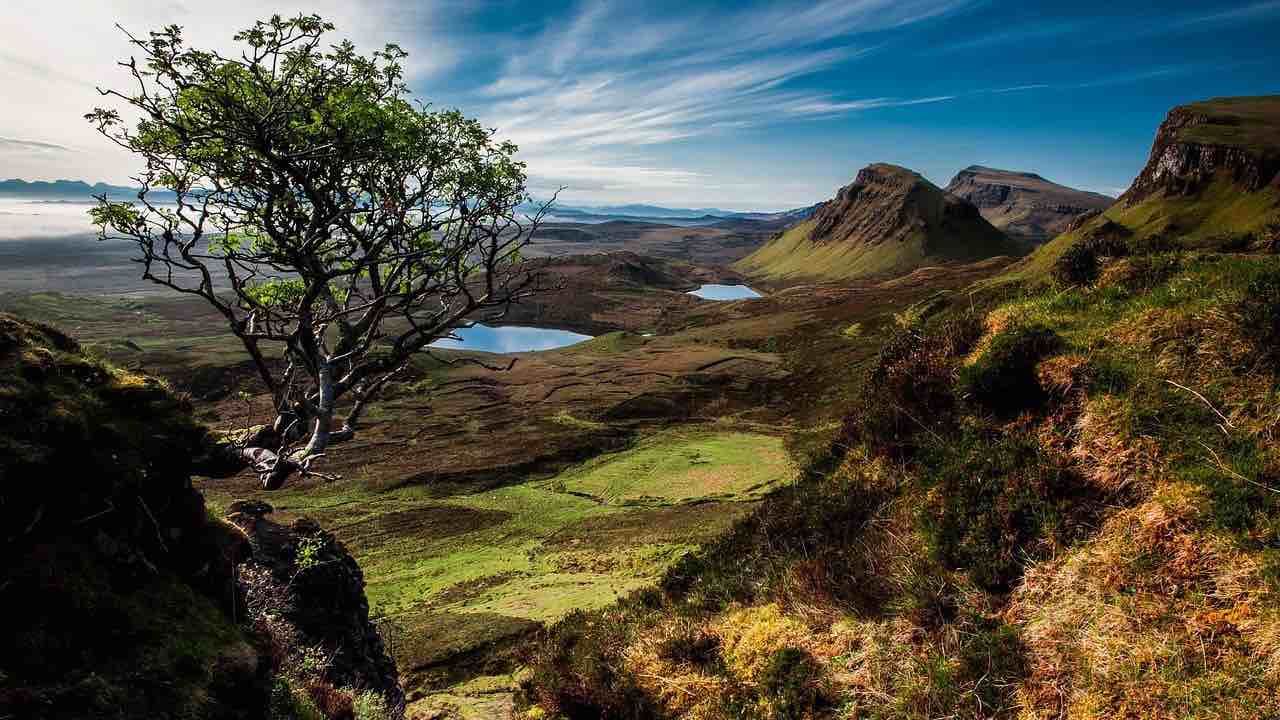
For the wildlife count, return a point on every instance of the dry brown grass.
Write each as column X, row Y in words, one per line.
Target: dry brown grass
column 902, row 659
column 1208, row 348
column 1106, row 454
column 1155, row 618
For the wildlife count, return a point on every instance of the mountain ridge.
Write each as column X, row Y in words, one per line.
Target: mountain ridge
column 60, row 188
column 889, row 220
column 1024, row 204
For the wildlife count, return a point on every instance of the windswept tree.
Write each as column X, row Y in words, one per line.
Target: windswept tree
column 338, row 227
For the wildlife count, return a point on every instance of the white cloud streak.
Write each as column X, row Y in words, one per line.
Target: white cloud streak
column 583, row 98
column 21, row 145
column 1237, row 14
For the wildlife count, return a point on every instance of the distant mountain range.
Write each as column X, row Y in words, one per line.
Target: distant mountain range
column 60, row 189
column 675, row 216
column 80, row 190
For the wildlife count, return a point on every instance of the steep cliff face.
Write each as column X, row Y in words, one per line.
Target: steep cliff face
column 1024, row 205
column 1233, row 138
column 888, row 221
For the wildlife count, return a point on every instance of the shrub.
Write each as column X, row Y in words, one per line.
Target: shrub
column 1147, row 271
column 1257, row 315
column 911, row 382
column 1003, row 379
column 992, row 661
column 827, row 509
column 992, row 500
column 1159, row 244
column 334, row 703
column 690, row 644
column 370, row 705
column 1078, row 265
column 308, row 552
column 292, row 703
column 791, row 684
column 576, row 671
column 1270, row 240
column 1233, row 242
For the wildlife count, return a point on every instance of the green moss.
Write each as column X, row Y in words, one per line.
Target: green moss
column 564, row 417
column 607, row 344
column 1003, row 376
column 86, row 643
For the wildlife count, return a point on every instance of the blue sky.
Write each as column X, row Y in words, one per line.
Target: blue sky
column 742, row 105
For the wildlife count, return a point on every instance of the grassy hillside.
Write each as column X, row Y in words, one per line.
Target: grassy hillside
column 1056, row 504
column 463, row 573
column 1210, row 183
column 889, row 222
column 1219, row 217
column 1245, row 122
column 794, row 255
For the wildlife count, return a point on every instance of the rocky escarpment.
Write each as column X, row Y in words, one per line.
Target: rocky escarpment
column 306, row 593
column 1024, row 205
column 1236, row 138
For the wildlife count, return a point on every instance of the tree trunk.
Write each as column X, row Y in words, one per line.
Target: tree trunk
column 324, row 414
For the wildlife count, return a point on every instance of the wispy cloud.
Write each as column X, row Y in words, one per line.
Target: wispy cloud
column 612, row 79
column 1135, row 75
column 1237, row 14
column 1141, row 74
column 828, row 107
column 11, row 145
column 54, row 52
column 1016, row 35
column 1019, row 88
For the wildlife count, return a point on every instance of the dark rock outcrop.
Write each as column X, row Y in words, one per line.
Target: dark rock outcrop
column 1024, row 205
column 1081, row 220
column 1237, row 138
column 305, row 590
column 118, row 587
column 124, row 598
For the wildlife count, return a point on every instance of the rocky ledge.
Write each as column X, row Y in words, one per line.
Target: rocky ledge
column 305, row 592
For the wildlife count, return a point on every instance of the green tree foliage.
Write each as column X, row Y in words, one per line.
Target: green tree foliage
column 295, row 188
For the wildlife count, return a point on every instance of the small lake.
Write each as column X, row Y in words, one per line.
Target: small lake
column 510, row 339
column 725, row 292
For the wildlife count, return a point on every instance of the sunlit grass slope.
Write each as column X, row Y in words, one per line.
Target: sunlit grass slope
column 1221, row 216
column 1057, row 504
